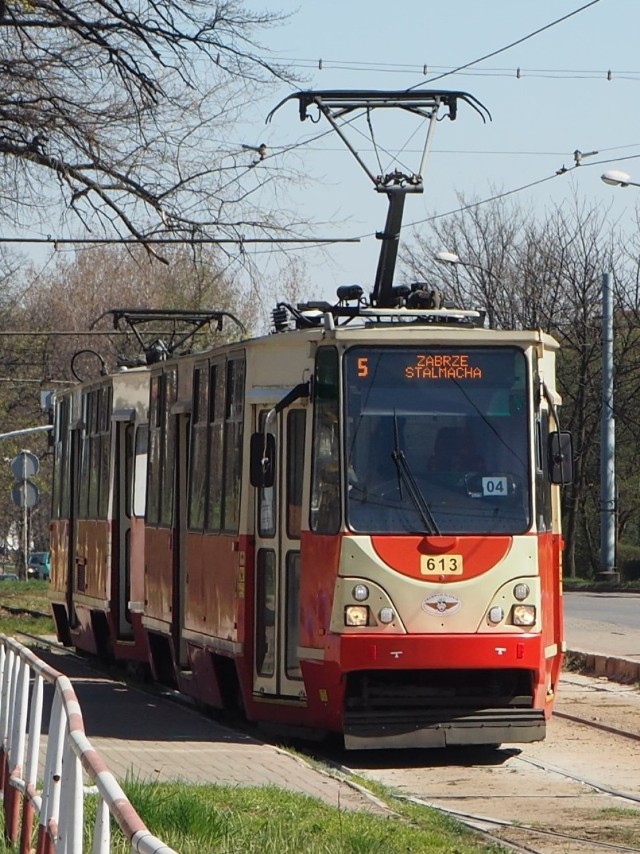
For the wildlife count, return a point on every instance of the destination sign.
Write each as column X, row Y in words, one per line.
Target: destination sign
column 443, row 366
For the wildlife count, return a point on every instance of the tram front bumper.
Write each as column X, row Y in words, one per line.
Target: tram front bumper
column 435, row 691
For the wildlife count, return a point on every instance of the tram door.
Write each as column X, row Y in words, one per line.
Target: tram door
column 277, row 571
column 72, row 541
column 123, row 478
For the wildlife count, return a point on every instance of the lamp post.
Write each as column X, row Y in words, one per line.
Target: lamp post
column 607, row 444
column 608, row 509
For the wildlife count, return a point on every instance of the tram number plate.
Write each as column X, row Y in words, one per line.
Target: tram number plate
column 441, row 564
column 495, row 487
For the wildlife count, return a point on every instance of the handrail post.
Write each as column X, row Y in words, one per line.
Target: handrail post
column 50, row 810
column 17, row 748
column 101, row 830
column 8, row 690
column 33, row 753
column 3, row 712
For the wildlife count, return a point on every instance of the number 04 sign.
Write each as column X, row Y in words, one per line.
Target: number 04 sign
column 494, row 487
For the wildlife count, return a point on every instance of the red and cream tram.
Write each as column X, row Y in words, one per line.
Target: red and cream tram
column 352, row 525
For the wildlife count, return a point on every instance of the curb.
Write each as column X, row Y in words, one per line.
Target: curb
column 616, row 669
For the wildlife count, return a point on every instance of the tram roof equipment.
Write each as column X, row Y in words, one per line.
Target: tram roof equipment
column 335, row 104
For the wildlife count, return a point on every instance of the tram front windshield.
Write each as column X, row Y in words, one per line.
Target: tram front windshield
column 437, row 440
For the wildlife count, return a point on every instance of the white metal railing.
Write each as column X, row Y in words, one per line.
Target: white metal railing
column 60, row 768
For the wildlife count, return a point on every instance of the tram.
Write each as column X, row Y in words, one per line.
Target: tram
column 350, row 525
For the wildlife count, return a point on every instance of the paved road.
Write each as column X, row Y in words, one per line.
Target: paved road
column 605, row 626
column 619, row 609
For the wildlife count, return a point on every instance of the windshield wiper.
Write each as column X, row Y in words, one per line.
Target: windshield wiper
column 415, row 493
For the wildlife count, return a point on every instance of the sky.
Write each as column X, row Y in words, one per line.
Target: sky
column 578, row 87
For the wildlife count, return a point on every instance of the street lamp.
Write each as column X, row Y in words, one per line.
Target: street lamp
column 444, row 257
column 615, row 178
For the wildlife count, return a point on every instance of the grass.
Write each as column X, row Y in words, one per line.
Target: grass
column 269, row 820
column 30, row 596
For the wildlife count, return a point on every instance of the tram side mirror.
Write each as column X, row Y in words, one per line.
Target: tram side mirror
column 560, row 457
column 262, row 462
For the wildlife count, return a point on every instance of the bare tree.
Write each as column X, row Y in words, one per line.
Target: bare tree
column 126, row 109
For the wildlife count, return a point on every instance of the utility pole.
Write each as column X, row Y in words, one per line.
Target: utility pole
column 608, row 527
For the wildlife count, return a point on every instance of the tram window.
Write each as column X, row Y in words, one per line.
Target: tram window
column 155, row 418
column 104, row 452
column 199, row 443
column 217, row 396
column 325, row 494
column 543, row 487
column 296, row 422
column 233, row 444
column 95, row 454
column 128, row 462
column 168, row 428
column 460, row 423
column 265, row 613
column 140, row 470
column 103, row 442
column 61, row 469
column 94, row 457
column 292, row 629
column 83, row 496
column 94, row 470
column 267, row 495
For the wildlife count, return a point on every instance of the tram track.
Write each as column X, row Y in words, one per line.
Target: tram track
column 20, row 610
column 561, row 796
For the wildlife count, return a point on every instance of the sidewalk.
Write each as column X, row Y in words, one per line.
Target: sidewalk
column 152, row 738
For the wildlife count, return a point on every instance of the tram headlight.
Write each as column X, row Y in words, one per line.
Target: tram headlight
column 496, row 614
column 386, row 615
column 521, row 591
column 524, row 615
column 356, row 615
column 360, row 592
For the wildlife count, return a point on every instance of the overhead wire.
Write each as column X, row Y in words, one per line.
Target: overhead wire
column 506, row 47
column 518, row 72
column 495, row 197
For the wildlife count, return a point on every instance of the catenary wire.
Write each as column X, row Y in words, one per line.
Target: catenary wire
column 507, row 47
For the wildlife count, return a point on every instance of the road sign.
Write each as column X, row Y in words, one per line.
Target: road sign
column 25, row 494
column 24, row 465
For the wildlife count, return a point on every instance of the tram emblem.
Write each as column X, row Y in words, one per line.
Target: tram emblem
column 441, row 604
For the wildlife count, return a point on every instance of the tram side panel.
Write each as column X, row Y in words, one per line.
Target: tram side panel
column 95, row 541
column 201, row 584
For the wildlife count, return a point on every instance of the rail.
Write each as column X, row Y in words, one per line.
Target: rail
column 48, row 766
